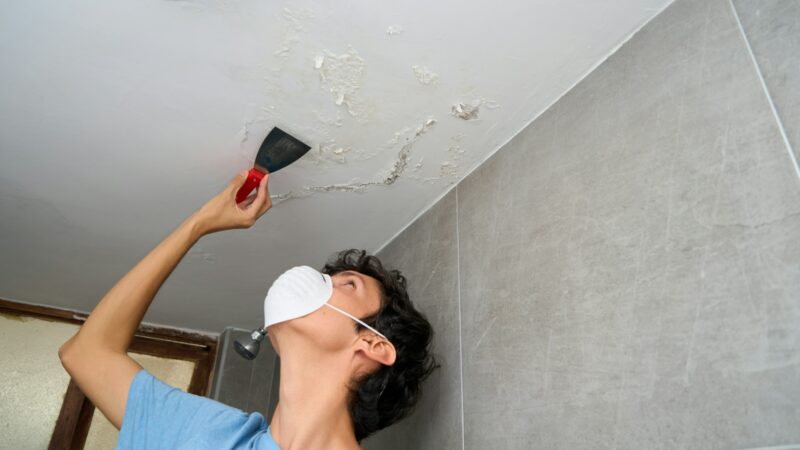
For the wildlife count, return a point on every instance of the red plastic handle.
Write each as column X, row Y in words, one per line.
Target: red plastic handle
column 253, row 179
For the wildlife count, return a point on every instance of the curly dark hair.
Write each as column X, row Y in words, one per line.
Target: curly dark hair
column 388, row 395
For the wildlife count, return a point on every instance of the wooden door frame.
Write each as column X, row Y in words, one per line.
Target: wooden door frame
column 73, row 422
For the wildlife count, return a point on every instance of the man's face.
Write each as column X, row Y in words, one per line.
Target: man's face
column 354, row 292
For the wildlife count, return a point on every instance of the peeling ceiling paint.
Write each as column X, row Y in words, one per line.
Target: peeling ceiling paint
column 117, row 120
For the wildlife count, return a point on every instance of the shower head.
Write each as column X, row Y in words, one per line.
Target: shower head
column 249, row 349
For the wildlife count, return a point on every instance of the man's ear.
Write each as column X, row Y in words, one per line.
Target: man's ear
column 379, row 350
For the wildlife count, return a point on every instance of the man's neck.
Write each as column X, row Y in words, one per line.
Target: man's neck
column 312, row 412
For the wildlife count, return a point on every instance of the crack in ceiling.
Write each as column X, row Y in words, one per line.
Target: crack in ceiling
column 398, row 168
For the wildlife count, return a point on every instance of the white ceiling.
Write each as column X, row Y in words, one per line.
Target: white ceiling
column 118, row 119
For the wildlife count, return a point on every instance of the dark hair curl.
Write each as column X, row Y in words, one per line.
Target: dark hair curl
column 390, row 394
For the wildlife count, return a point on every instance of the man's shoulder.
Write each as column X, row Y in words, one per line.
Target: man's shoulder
column 170, row 416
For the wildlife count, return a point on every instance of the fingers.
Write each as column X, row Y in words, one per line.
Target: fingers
column 255, row 205
column 257, row 208
column 247, row 201
column 262, row 202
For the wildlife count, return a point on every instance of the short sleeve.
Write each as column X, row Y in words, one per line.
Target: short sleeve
column 159, row 416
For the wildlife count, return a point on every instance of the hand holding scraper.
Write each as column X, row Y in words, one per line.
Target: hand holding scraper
column 278, row 150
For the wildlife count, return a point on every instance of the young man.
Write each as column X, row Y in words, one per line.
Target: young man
column 340, row 381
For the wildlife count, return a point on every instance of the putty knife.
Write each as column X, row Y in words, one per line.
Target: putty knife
column 278, row 150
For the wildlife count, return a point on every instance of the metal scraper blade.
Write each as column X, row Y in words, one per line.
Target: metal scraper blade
column 278, row 150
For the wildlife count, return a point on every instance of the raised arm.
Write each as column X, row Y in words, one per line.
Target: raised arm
column 96, row 356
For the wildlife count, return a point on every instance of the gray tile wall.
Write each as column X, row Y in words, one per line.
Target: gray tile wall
column 427, row 254
column 773, row 31
column 626, row 268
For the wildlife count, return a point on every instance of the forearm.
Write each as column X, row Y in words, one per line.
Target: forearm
column 117, row 316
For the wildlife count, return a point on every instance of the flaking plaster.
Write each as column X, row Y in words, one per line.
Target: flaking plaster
column 120, row 119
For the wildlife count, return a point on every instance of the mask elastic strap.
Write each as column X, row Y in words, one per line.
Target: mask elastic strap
column 357, row 320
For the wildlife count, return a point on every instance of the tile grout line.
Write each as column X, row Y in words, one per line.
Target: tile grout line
column 766, row 90
column 460, row 341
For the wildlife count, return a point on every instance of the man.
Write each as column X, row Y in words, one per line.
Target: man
column 340, row 381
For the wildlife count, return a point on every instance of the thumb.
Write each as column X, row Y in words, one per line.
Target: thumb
column 237, row 181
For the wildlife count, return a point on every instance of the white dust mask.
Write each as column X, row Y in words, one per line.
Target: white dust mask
column 299, row 291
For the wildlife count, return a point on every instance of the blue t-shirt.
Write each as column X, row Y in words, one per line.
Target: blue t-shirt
column 159, row 416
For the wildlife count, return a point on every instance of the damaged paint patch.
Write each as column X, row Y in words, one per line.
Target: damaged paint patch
column 294, row 24
column 424, row 75
column 243, row 133
column 333, row 151
column 342, row 76
column 469, row 111
column 392, row 30
column 491, row 104
column 330, row 150
column 465, row 111
column 335, row 121
column 455, row 152
column 343, row 187
column 280, row 198
column 247, row 125
column 405, row 135
column 405, row 150
column 448, row 169
column 398, row 167
column 307, row 191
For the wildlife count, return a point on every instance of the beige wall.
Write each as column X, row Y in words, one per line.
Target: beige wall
column 32, row 380
column 33, row 383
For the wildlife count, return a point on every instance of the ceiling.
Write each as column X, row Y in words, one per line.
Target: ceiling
column 119, row 119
